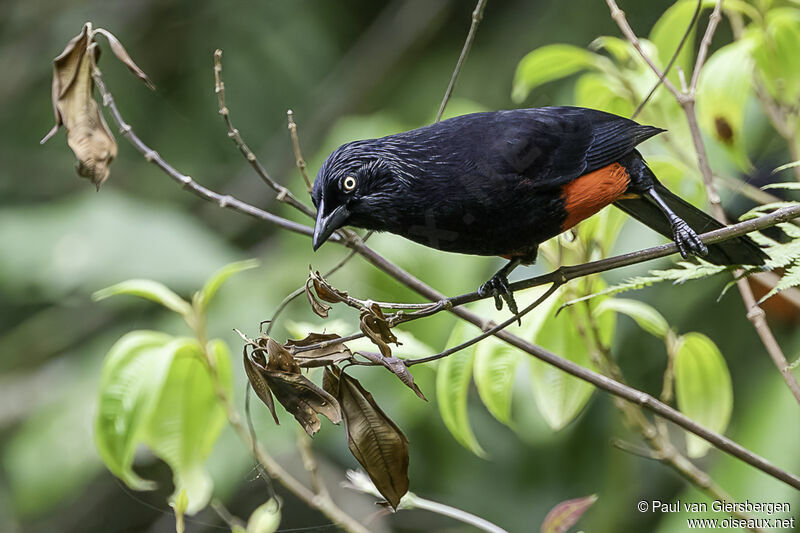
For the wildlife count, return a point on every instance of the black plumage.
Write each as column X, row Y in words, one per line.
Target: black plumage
column 499, row 183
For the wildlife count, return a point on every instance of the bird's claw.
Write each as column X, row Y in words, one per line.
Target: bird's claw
column 499, row 288
column 688, row 241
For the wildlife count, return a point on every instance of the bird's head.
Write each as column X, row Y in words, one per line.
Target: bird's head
column 351, row 188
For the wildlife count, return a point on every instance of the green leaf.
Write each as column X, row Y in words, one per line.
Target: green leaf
column 645, row 315
column 494, row 370
column 775, row 53
column 133, row 373
column 266, row 518
column 549, row 63
column 149, row 290
column 790, row 278
column 188, row 418
column 203, row 298
column 702, row 387
column 724, row 87
column 559, row 396
column 452, row 386
column 602, row 92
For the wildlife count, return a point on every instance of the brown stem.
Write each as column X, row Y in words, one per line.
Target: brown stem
column 477, row 15
column 284, row 195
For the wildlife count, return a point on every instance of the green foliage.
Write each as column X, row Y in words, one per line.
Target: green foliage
column 163, row 392
column 550, row 63
column 265, row 519
column 775, row 53
column 645, row 315
column 667, row 33
column 560, row 397
column 494, row 371
column 702, row 387
column 452, row 385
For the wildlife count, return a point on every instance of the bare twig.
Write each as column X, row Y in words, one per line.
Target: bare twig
column 672, row 60
column 310, row 464
column 477, row 15
column 298, row 154
column 284, row 195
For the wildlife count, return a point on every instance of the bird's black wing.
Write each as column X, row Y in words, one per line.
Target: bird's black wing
column 552, row 146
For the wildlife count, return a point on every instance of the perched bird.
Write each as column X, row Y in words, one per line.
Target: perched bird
column 503, row 182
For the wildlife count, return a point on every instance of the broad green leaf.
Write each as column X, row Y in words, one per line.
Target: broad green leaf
column 620, row 49
column 702, row 387
column 645, row 315
column 494, row 370
column 133, row 374
column 559, row 396
column 452, row 385
column 602, row 92
column 775, row 54
column 216, row 280
column 724, row 87
column 266, row 518
column 149, row 290
column 549, row 63
column 187, row 419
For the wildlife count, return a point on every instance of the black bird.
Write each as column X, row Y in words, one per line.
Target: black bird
column 501, row 183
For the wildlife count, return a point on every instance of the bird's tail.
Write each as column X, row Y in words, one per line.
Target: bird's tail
column 739, row 251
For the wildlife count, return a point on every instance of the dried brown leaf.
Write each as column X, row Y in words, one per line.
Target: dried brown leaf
column 397, row 367
column 123, row 56
column 374, row 325
column 327, row 355
column 320, row 309
column 253, row 368
column 280, row 359
column 303, row 399
column 373, row 438
column 325, row 290
column 74, row 106
column 564, row 515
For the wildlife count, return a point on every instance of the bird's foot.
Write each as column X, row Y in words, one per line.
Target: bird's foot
column 500, row 290
column 688, row 241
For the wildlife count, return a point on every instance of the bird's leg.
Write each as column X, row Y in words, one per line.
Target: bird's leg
column 685, row 237
column 498, row 287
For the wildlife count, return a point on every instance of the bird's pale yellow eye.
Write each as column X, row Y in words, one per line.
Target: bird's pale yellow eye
column 349, row 183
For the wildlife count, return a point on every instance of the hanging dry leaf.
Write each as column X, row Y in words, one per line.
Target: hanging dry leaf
column 320, row 308
column 397, row 367
column 123, row 56
column 254, row 367
column 373, row 438
column 374, row 325
column 331, row 354
column 324, row 289
column 564, row 515
column 279, row 358
column 299, row 396
column 73, row 104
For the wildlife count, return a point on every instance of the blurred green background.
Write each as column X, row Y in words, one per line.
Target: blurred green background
column 348, row 70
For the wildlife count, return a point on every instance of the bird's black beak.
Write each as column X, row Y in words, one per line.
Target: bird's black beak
column 327, row 224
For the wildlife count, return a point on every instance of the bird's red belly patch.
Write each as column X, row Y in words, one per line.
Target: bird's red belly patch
column 591, row 192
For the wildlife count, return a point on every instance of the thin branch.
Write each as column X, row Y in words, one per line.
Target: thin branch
column 298, row 154
column 713, row 22
column 310, row 464
column 284, row 195
column 477, row 15
column 186, row 181
column 672, row 60
column 619, row 17
column 602, row 382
